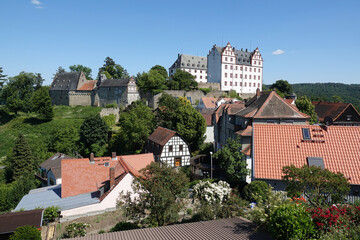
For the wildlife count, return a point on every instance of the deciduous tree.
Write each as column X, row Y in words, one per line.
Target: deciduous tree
column 159, row 194
column 180, row 116
column 78, row 68
column 64, row 140
column 116, row 71
column 283, row 88
column 2, row 78
column 161, row 70
column 305, row 106
column 232, row 162
column 182, row 80
column 41, row 102
column 136, row 123
column 152, row 81
column 94, row 135
column 320, row 186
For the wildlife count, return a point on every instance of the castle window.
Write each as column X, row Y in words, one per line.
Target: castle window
column 259, row 70
column 200, row 77
column 225, row 66
column 195, row 70
column 258, row 77
column 231, row 59
column 225, row 74
column 231, row 67
column 200, row 71
column 254, row 77
column 240, row 84
column 241, row 76
column 241, row 68
column 235, row 67
column 258, row 85
column 231, row 75
column 245, row 84
column 250, row 69
column 254, row 84
column 249, row 76
column 225, row 58
column 235, row 83
column 245, row 68
column 235, row 75
column 245, row 76
column 225, row 83
column 254, row 62
column 230, row 83
column 254, row 69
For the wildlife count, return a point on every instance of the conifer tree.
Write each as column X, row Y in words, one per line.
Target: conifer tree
column 22, row 161
column 42, row 104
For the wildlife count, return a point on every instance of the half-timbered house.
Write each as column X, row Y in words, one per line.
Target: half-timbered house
column 168, row 147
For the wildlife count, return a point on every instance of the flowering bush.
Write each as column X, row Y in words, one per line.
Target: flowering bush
column 298, row 200
column 76, row 229
column 336, row 217
column 212, row 192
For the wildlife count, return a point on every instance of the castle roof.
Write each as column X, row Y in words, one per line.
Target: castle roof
column 190, row 61
column 66, row 81
column 242, row 57
column 114, row 82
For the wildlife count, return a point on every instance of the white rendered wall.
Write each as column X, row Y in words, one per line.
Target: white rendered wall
column 199, row 74
column 108, row 203
column 209, row 134
column 169, row 157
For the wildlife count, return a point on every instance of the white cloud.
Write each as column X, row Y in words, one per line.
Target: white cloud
column 278, row 52
column 36, row 2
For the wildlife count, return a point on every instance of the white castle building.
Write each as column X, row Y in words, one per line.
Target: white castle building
column 234, row 69
column 196, row 65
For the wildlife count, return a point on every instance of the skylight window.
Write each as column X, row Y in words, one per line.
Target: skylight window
column 306, row 133
column 315, row 161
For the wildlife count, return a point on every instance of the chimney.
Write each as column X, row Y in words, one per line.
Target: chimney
column 112, row 176
column 91, row 157
column 113, row 156
column 257, row 92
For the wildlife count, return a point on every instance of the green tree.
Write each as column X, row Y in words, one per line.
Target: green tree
column 41, row 102
column 94, row 135
column 116, row 71
column 161, row 70
column 64, row 140
column 232, row 162
column 180, row 116
column 18, row 91
column 60, row 70
column 21, row 160
column 337, row 99
column 80, row 68
column 182, row 80
column 320, row 186
column 283, row 88
column 2, row 78
column 159, row 195
column 305, row 106
column 153, row 82
column 26, row 232
column 136, row 124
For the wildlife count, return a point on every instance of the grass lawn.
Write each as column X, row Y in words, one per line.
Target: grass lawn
column 37, row 132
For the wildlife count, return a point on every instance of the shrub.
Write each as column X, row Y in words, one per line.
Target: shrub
column 205, row 90
column 212, row 192
column 111, row 105
column 291, row 221
column 255, row 188
column 189, row 211
column 122, row 226
column 110, row 120
column 26, row 232
column 51, row 213
column 76, row 229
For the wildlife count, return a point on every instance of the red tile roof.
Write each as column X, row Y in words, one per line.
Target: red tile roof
column 161, row 135
column 331, row 109
column 88, row 86
column 276, row 146
column 80, row 176
column 207, row 114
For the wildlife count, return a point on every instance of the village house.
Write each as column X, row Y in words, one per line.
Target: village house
column 50, row 170
column 336, row 148
column 88, row 185
column 168, row 147
column 72, row 88
column 331, row 113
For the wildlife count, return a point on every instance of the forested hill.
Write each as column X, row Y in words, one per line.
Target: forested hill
column 349, row 93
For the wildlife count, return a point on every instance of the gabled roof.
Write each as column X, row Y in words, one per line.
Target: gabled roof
column 242, row 57
column 161, row 135
column 230, row 228
column 331, row 109
column 54, row 163
column 230, row 108
column 81, row 176
column 10, row 221
column 276, row 146
column 114, row 82
column 66, row 81
column 190, row 61
column 270, row 105
column 209, row 102
column 207, row 114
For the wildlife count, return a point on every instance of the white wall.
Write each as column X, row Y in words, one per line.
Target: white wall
column 108, row 203
column 169, row 157
column 209, row 134
column 199, row 74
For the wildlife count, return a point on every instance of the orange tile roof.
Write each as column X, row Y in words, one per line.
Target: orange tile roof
column 247, row 150
column 209, row 102
column 276, row 146
column 88, row 86
column 290, row 101
column 247, row 132
column 80, row 176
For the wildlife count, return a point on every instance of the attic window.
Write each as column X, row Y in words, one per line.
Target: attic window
column 306, row 133
column 348, row 117
column 315, row 161
column 106, row 164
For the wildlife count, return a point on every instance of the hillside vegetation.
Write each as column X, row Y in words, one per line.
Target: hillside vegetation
column 38, row 132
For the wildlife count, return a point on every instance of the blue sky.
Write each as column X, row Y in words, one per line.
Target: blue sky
column 319, row 40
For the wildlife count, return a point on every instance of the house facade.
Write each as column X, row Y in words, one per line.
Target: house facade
column 196, row 65
column 50, row 170
column 168, row 147
column 72, row 88
column 235, row 69
column 336, row 147
column 331, row 113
